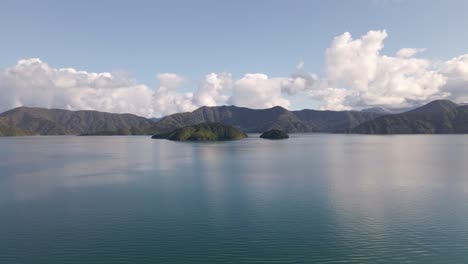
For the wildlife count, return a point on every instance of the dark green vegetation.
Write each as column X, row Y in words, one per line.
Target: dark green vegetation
column 274, row 134
column 204, row 132
column 40, row 121
column 120, row 132
column 260, row 120
column 437, row 117
column 12, row 131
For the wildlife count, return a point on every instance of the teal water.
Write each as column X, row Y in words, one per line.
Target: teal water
column 309, row 199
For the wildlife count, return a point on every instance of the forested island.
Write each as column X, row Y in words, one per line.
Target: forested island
column 274, row 134
column 203, row 132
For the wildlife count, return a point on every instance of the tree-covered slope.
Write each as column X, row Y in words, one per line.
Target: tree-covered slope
column 259, row 120
column 274, row 134
column 204, row 132
column 43, row 121
column 12, row 131
column 437, row 117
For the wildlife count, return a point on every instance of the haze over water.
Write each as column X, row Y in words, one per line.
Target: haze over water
column 310, row 199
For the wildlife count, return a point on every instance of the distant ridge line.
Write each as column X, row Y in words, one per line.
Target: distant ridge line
column 439, row 116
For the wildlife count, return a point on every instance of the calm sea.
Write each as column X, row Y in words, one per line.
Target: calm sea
column 309, row 199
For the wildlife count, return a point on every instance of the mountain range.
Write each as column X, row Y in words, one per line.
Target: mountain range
column 437, row 117
column 40, row 121
column 261, row 120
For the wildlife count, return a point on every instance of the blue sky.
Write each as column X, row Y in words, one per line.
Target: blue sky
column 194, row 38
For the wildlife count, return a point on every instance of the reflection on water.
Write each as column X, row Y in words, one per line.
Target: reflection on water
column 309, row 199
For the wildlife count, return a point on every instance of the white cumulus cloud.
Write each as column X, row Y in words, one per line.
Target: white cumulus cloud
column 214, row 90
column 456, row 70
column 257, row 90
column 167, row 98
column 361, row 76
column 32, row 82
column 357, row 75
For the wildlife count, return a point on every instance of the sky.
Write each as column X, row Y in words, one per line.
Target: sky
column 154, row 58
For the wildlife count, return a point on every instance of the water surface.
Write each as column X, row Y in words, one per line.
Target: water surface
column 309, row 199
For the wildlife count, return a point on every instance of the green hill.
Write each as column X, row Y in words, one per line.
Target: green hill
column 12, row 131
column 260, row 120
column 41, row 121
column 437, row 117
column 204, row 132
column 274, row 134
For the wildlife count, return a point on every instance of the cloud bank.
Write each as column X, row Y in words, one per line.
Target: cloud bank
column 32, row 82
column 361, row 76
column 357, row 75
